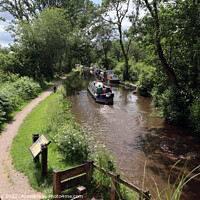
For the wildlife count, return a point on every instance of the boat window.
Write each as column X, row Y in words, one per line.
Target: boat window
column 109, row 72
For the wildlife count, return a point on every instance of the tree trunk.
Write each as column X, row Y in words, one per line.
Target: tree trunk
column 168, row 70
column 126, row 75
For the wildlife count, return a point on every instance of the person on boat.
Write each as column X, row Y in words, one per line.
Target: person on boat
column 104, row 90
column 99, row 90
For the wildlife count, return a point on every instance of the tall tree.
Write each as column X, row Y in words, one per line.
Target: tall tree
column 44, row 41
column 173, row 26
column 153, row 9
column 171, row 34
column 103, row 33
column 21, row 10
column 120, row 9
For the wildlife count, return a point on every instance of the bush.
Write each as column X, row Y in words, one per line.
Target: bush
column 70, row 139
column 72, row 143
column 145, row 84
column 27, row 88
column 13, row 94
column 119, row 70
column 195, row 113
column 103, row 181
column 173, row 104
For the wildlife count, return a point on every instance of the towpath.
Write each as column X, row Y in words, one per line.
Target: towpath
column 13, row 184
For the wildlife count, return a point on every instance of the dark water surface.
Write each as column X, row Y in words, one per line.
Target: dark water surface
column 141, row 142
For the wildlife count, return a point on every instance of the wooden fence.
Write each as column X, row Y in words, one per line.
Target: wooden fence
column 66, row 179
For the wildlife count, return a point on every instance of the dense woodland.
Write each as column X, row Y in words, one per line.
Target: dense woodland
column 162, row 46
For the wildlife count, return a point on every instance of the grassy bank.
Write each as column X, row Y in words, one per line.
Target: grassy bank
column 38, row 121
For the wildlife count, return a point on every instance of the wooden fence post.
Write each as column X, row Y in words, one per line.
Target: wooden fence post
column 89, row 171
column 81, row 192
column 56, row 184
column 44, row 167
column 115, row 186
column 35, row 137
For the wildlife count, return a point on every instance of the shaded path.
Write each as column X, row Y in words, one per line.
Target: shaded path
column 13, row 184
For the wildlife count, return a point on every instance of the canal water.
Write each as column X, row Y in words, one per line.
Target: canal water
column 145, row 147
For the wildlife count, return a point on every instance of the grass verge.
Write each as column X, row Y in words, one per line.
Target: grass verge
column 53, row 118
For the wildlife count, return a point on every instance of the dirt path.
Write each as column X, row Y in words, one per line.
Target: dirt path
column 13, row 184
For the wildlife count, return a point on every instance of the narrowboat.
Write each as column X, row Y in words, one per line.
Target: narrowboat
column 106, row 97
column 109, row 77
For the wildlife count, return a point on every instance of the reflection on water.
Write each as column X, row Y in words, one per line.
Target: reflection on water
column 135, row 137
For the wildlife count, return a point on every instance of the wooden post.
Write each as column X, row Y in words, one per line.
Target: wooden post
column 44, row 168
column 81, row 191
column 115, row 186
column 35, row 137
column 56, row 184
column 89, row 171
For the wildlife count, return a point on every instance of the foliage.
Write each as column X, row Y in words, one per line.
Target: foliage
column 120, row 10
column 169, row 34
column 103, row 34
column 145, row 84
column 71, row 141
column 195, row 113
column 50, row 37
column 43, row 43
column 103, row 181
column 13, row 94
column 173, row 105
column 146, row 79
column 119, row 69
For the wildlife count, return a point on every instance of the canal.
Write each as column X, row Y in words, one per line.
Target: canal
column 145, row 147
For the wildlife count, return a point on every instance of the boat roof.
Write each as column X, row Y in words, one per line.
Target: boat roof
column 98, row 83
column 109, row 72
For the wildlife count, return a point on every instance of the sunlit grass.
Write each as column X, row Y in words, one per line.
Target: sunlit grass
column 23, row 161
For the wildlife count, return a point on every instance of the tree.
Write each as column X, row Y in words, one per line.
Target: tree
column 21, row 10
column 50, row 36
column 120, row 9
column 171, row 33
column 43, row 42
column 103, row 33
column 168, row 25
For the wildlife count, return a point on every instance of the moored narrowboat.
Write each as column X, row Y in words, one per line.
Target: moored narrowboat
column 109, row 77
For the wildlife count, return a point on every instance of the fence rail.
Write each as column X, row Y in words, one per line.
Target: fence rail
column 66, row 179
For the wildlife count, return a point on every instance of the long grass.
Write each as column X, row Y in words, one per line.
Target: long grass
column 174, row 190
